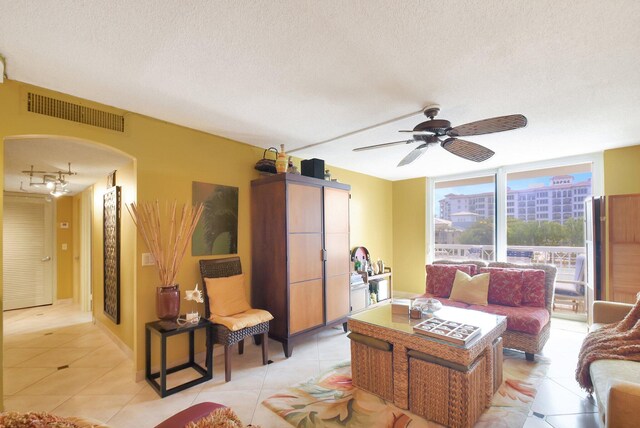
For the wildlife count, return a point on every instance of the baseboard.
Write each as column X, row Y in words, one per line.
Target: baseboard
column 115, row 339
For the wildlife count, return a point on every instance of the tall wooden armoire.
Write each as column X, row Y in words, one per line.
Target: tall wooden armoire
column 300, row 253
column 623, row 255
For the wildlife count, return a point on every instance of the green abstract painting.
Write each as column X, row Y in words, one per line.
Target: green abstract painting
column 217, row 230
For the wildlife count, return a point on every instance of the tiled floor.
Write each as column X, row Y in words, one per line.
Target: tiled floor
column 98, row 382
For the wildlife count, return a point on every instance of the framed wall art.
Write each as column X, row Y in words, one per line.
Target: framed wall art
column 111, row 229
column 217, row 229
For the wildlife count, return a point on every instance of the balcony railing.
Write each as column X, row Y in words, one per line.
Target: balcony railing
column 564, row 258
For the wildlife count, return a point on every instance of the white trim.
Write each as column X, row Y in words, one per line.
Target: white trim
column 501, row 216
column 430, row 218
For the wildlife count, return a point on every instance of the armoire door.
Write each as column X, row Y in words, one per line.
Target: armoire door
column 624, row 247
column 304, row 217
column 336, row 239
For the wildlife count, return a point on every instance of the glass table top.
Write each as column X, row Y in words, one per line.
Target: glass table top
column 382, row 316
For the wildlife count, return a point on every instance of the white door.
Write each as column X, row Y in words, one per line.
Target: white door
column 27, row 252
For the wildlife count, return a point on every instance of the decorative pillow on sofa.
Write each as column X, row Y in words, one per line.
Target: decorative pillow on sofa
column 533, row 288
column 226, row 295
column 505, row 286
column 470, row 289
column 440, row 278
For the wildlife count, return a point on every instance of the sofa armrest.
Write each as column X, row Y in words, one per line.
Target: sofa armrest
column 623, row 405
column 608, row 312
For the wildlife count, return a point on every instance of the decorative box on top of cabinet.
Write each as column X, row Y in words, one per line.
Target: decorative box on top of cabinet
column 300, row 253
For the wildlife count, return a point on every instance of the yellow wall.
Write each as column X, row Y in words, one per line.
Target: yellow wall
column 621, row 177
column 371, row 213
column 75, row 226
column 64, row 214
column 167, row 158
column 126, row 179
column 409, row 235
column 622, row 171
column 2, row 114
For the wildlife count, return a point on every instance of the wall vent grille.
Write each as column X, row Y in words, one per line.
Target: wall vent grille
column 74, row 112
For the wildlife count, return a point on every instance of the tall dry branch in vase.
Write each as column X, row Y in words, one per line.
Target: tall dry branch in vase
column 167, row 233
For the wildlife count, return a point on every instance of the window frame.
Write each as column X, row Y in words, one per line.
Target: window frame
column 500, row 173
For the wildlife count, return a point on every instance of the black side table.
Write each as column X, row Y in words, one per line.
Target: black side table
column 166, row 329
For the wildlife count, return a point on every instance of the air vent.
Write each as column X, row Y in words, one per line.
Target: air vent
column 74, row 112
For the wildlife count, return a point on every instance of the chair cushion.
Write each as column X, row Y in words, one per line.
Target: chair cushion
column 470, row 289
column 505, row 286
column 605, row 373
column 533, row 288
column 245, row 319
column 525, row 319
column 226, row 295
column 440, row 277
column 446, row 302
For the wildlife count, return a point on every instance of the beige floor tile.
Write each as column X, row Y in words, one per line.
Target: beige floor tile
column 326, row 365
column 56, row 357
column 67, row 381
column 14, row 356
column 553, row 399
column 265, row 417
column 107, row 355
column 33, row 403
column 251, row 378
column 588, row 420
column 290, row 372
column 116, row 381
column 97, row 407
column 49, row 340
column 16, row 379
column 94, row 339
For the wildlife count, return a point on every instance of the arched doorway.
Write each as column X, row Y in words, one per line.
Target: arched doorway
column 68, row 175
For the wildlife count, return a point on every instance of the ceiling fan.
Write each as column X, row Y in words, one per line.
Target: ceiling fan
column 429, row 132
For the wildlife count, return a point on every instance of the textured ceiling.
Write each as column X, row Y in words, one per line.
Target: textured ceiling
column 303, row 72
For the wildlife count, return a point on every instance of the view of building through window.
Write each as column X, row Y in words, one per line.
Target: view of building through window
column 465, row 218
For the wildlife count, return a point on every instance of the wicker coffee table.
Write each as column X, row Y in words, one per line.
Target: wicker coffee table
column 442, row 381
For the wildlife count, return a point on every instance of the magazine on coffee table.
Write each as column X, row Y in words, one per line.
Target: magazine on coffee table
column 450, row 331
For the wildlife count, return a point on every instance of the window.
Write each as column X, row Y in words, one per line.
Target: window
column 539, row 212
column 468, row 232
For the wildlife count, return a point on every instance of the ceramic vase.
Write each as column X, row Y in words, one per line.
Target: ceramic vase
column 281, row 161
column 168, row 303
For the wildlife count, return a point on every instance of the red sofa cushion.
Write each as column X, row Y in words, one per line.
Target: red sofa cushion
column 525, row 319
column 505, row 286
column 190, row 414
column 533, row 288
column 445, row 301
column 440, row 277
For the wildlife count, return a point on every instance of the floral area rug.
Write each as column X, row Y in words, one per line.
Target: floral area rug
column 330, row 400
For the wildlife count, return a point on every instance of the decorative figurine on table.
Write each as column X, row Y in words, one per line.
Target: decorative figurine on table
column 195, row 296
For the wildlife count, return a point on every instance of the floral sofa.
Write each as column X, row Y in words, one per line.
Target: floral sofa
column 521, row 292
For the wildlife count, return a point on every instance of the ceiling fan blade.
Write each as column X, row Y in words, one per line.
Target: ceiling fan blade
column 414, row 154
column 467, row 149
column 417, row 132
column 378, row 146
column 489, row 126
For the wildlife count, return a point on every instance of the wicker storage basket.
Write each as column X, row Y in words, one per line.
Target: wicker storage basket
column 446, row 395
column 372, row 368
